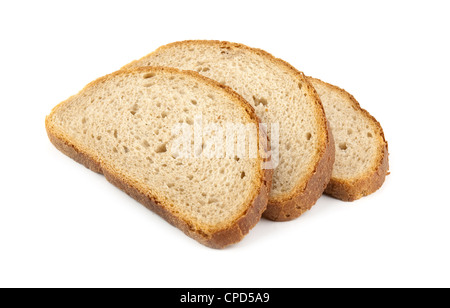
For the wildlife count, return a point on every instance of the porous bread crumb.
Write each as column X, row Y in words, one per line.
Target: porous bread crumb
column 279, row 94
column 125, row 120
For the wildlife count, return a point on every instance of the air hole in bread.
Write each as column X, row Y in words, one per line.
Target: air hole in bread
column 146, row 144
column 134, row 109
column 300, row 85
column 170, row 185
column 343, row 146
column 126, row 149
column 369, row 135
column 308, row 136
column 150, row 160
column 190, row 177
column 349, row 131
column 242, row 174
column 259, row 101
column 189, row 121
column 199, row 150
column 193, row 102
column 148, row 85
column 211, row 96
column 163, row 114
column 162, row 148
column 148, row 75
column 212, row 200
column 84, row 121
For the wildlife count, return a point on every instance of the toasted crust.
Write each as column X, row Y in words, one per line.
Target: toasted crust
column 354, row 189
column 308, row 191
column 231, row 234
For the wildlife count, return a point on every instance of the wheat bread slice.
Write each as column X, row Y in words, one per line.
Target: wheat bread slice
column 120, row 126
column 361, row 163
column 278, row 93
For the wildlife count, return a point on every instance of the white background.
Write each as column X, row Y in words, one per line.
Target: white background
column 62, row 225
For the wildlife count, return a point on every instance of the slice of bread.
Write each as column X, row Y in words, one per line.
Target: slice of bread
column 278, row 93
column 121, row 126
column 361, row 162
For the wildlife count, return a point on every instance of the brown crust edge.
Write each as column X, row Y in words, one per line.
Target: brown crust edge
column 307, row 193
column 218, row 240
column 295, row 207
column 346, row 190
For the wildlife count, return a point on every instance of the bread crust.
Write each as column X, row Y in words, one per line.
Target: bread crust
column 371, row 181
column 219, row 239
column 307, row 191
column 294, row 208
